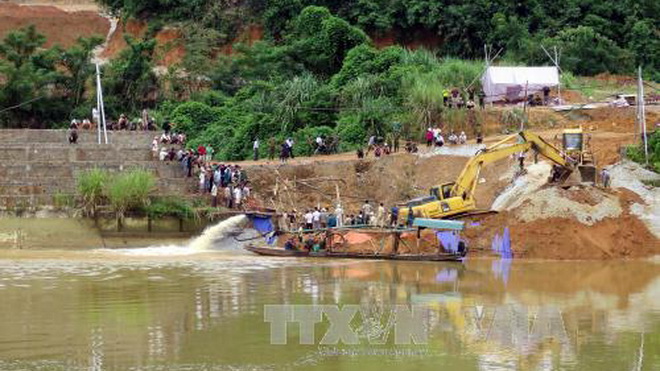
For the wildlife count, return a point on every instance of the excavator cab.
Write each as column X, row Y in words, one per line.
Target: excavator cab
column 575, row 145
column 442, row 191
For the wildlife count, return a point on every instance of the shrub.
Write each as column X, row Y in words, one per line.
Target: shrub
column 351, row 131
column 63, row 201
column 91, row 185
column 130, row 190
column 170, row 206
column 192, row 117
column 636, row 152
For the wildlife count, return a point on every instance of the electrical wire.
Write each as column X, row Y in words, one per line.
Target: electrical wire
column 21, row 104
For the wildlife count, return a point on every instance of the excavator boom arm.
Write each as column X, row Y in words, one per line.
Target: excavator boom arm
column 467, row 181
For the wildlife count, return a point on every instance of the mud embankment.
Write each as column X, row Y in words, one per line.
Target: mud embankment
column 544, row 221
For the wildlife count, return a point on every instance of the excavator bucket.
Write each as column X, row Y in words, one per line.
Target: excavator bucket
column 587, row 173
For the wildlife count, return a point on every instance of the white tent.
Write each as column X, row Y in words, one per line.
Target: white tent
column 510, row 82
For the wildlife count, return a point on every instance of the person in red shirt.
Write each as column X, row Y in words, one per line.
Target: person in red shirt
column 201, row 151
column 429, row 137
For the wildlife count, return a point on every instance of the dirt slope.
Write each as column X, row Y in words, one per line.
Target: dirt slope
column 61, row 27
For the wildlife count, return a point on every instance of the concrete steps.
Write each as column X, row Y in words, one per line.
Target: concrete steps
column 37, row 166
column 123, row 138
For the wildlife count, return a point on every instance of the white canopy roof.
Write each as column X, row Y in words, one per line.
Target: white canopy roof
column 510, row 82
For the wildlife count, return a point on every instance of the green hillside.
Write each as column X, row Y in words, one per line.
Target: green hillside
column 317, row 70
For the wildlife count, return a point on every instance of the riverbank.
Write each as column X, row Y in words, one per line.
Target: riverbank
column 65, row 233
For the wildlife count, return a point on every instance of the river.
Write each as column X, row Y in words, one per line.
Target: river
column 168, row 308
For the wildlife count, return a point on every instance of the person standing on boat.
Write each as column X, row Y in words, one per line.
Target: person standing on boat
column 359, row 219
column 366, row 211
column 332, row 220
column 411, row 217
column 309, row 218
column 324, row 218
column 394, row 217
column 339, row 213
column 316, row 218
column 292, row 220
column 380, row 216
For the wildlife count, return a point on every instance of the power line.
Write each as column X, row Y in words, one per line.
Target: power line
column 21, row 104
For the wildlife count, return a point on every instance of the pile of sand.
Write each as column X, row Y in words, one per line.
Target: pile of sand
column 586, row 205
column 577, row 223
column 523, row 187
column 630, row 175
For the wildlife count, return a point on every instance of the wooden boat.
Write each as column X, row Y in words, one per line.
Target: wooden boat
column 280, row 252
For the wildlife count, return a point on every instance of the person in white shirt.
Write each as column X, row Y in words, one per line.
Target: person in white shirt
column 202, row 180
column 255, row 148
column 462, row 139
column 289, row 143
column 339, row 213
column 309, row 219
column 238, row 196
column 163, row 154
column 316, row 219
column 319, row 144
column 214, row 196
column 440, row 141
column 154, row 147
column 436, row 133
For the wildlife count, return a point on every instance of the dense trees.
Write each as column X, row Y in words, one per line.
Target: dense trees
column 463, row 26
column 39, row 86
column 317, row 70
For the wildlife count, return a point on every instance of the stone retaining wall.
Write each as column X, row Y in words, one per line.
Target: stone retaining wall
column 38, row 165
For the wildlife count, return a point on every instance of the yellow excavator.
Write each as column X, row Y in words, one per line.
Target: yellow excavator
column 575, row 144
column 457, row 198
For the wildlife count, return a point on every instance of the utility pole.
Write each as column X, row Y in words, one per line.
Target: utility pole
column 100, row 107
column 641, row 113
column 557, row 54
column 555, row 61
column 522, row 122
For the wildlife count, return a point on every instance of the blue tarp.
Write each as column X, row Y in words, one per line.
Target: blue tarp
column 264, row 225
column 449, row 241
column 501, row 246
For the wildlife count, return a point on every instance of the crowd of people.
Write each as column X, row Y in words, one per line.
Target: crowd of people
column 434, row 137
column 226, row 184
column 322, row 217
column 456, row 99
column 143, row 123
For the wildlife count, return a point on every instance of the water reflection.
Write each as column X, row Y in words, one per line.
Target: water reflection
column 207, row 312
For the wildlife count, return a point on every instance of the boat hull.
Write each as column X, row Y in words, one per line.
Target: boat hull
column 279, row 252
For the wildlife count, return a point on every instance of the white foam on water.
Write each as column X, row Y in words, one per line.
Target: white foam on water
column 164, row 250
column 215, row 233
column 211, row 239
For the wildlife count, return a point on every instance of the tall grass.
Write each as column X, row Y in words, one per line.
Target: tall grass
column 423, row 97
column 124, row 191
column 91, row 185
column 427, row 78
column 130, row 190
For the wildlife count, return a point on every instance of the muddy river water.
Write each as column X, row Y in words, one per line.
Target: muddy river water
column 166, row 308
